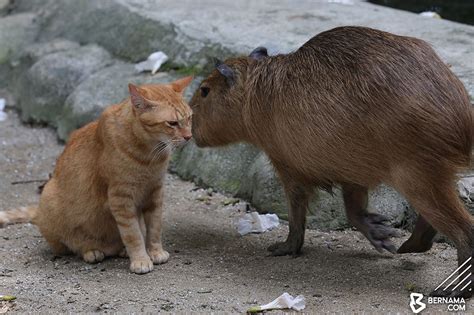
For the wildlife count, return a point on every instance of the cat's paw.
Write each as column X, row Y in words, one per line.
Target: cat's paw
column 141, row 265
column 158, row 256
column 93, row 256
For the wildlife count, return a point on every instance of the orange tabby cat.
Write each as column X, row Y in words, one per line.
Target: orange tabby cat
column 107, row 188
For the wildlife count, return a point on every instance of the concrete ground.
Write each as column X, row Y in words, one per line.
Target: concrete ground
column 211, row 269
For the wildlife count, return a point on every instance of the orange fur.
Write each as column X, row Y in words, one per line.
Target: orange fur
column 107, row 189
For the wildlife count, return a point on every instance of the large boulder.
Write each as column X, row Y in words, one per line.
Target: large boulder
column 16, row 32
column 42, row 90
column 103, row 88
column 122, row 31
column 223, row 169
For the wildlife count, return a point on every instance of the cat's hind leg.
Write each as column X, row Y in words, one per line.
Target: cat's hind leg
column 97, row 255
column 57, row 247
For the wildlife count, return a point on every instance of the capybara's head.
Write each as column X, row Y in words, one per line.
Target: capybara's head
column 217, row 104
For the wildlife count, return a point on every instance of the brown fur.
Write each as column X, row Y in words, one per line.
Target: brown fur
column 356, row 107
column 107, row 188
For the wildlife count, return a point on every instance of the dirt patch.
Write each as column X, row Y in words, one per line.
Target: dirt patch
column 211, row 267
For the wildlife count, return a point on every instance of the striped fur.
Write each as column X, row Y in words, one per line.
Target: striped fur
column 106, row 192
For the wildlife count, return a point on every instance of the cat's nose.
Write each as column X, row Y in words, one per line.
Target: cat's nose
column 187, row 137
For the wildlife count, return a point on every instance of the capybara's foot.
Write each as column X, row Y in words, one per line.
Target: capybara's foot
column 141, row 265
column 158, row 256
column 93, row 256
column 288, row 247
column 421, row 239
column 373, row 227
column 414, row 246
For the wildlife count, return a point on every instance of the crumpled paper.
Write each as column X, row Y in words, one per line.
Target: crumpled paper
column 284, row 301
column 152, row 63
column 430, row 14
column 3, row 115
column 466, row 188
column 254, row 222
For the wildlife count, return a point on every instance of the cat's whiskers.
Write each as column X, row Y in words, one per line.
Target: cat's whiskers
column 161, row 150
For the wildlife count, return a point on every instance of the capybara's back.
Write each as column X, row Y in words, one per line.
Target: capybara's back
column 365, row 103
column 355, row 107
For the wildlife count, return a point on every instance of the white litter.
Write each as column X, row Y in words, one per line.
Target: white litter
column 3, row 115
column 430, row 14
column 466, row 188
column 284, row 301
column 257, row 223
column 152, row 63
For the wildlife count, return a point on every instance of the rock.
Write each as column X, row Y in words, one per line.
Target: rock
column 25, row 58
column 262, row 187
column 34, row 52
column 105, row 87
column 16, row 32
column 218, row 168
column 47, row 84
column 4, row 7
column 122, row 31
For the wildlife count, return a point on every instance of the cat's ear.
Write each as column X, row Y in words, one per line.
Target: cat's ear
column 181, row 84
column 135, row 96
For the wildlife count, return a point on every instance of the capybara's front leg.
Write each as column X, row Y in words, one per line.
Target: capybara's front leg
column 298, row 197
column 421, row 239
column 370, row 224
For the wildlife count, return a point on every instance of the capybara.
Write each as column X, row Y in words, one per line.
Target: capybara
column 353, row 107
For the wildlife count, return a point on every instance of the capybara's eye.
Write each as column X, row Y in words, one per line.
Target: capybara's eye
column 204, row 91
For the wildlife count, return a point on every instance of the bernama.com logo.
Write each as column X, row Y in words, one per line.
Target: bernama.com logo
column 460, row 280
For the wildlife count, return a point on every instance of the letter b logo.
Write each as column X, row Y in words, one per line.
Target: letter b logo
column 415, row 302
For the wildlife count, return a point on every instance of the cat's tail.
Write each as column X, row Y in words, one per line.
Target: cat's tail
column 19, row 215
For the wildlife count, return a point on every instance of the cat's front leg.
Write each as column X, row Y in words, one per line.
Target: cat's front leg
column 153, row 222
column 125, row 213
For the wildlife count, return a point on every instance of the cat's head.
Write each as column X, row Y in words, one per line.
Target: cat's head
column 161, row 112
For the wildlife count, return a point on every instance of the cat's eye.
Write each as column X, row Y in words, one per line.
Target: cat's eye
column 204, row 91
column 172, row 123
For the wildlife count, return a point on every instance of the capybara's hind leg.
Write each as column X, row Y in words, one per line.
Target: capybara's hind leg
column 370, row 224
column 421, row 239
column 437, row 201
column 298, row 198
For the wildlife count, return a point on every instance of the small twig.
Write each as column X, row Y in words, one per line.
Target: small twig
column 29, row 181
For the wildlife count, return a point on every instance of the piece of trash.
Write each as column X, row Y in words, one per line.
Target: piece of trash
column 466, row 188
column 284, row 301
column 430, row 14
column 254, row 222
column 3, row 115
column 152, row 63
column 7, row 297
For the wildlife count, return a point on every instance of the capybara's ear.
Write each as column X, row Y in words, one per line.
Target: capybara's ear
column 226, row 71
column 181, row 84
column 259, row 53
column 135, row 96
